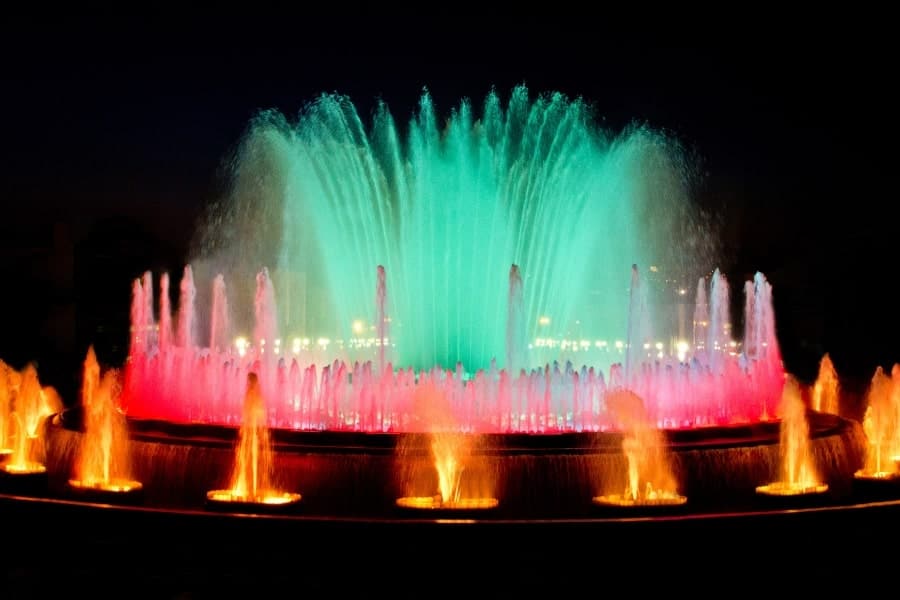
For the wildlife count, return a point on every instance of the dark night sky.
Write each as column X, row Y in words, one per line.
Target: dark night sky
column 130, row 119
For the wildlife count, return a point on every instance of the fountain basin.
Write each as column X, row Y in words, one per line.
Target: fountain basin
column 784, row 494
column 786, row 489
column 876, row 485
column 622, row 506
column 353, row 474
column 24, row 470
column 229, row 501
column 30, row 478
column 435, row 507
column 114, row 491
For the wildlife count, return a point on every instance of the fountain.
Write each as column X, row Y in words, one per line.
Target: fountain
column 446, row 207
column 521, row 240
column 799, row 474
column 650, row 482
column 102, row 468
column 517, row 359
column 461, row 481
column 826, row 389
column 522, row 270
column 29, row 405
column 251, row 481
column 881, row 424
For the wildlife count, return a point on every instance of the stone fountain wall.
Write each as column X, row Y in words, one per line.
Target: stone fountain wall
column 532, row 476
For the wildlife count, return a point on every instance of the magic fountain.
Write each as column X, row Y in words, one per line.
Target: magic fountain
column 523, row 261
column 512, row 314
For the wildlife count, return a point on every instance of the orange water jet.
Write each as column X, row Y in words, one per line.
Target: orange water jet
column 103, row 462
column 881, row 425
column 6, row 374
column 798, row 472
column 452, row 454
column 26, row 405
column 649, row 478
column 826, row 389
column 251, row 479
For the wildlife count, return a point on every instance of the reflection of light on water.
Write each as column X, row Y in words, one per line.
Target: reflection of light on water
column 877, row 475
column 272, row 499
column 625, row 500
column 113, row 485
column 435, row 502
column 456, row 521
column 782, row 488
column 26, row 468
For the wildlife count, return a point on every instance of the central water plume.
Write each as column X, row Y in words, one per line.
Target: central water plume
column 446, row 206
column 522, row 260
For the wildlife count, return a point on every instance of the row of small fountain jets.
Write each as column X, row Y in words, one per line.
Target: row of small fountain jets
column 102, row 463
column 713, row 386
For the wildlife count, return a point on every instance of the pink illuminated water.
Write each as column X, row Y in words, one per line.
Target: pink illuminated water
column 381, row 322
column 716, row 382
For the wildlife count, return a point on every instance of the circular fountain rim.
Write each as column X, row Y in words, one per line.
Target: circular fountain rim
column 31, row 468
column 121, row 486
column 701, row 438
column 761, row 511
column 433, row 504
column 784, row 489
column 227, row 498
column 619, row 501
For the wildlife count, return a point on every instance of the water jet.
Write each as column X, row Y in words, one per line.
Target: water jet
column 251, row 487
column 102, row 471
column 800, row 481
